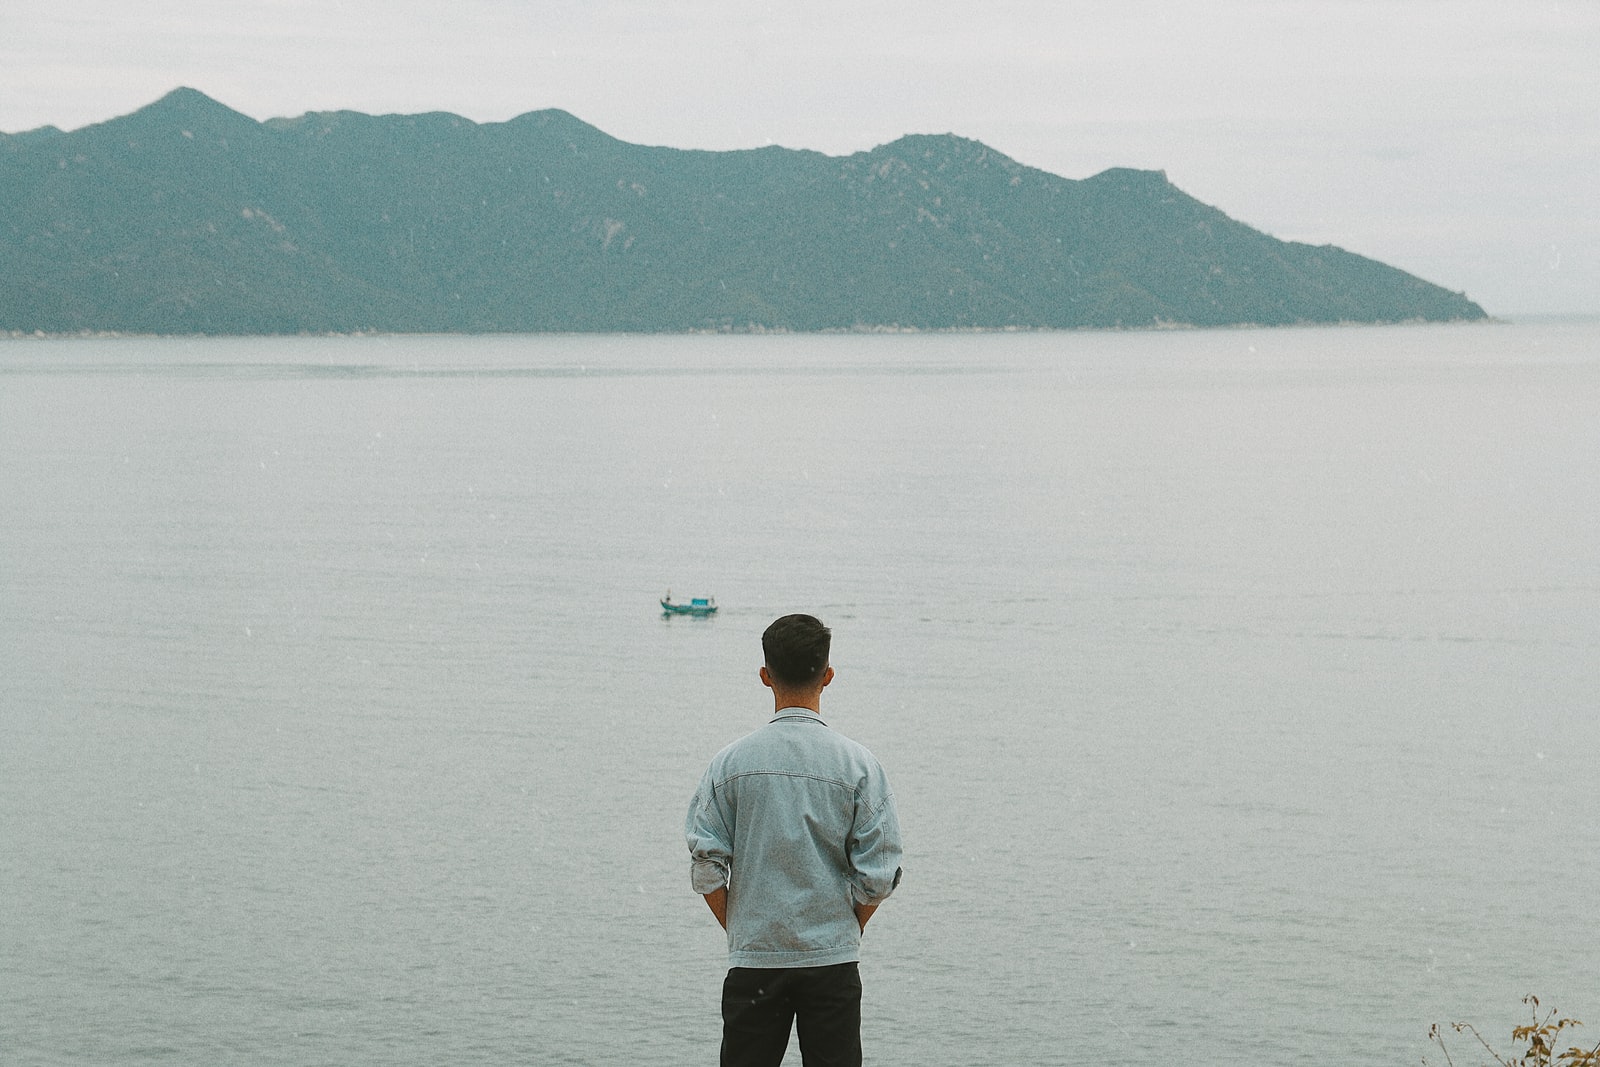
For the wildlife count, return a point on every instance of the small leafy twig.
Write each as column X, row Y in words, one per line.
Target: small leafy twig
column 1540, row 1037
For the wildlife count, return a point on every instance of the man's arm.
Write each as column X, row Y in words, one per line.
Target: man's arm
column 710, row 849
column 717, row 901
column 874, row 848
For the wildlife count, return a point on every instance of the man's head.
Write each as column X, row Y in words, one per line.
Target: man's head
column 796, row 648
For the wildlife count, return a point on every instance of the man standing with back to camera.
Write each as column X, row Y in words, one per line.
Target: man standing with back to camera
column 794, row 843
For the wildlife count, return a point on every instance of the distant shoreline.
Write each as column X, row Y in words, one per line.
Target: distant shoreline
column 758, row 331
column 1551, row 318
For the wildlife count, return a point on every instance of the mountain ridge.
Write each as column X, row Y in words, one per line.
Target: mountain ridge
column 189, row 217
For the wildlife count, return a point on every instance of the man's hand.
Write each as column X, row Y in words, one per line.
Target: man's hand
column 863, row 913
column 717, row 901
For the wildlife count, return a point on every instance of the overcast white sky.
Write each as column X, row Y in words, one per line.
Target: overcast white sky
column 1457, row 139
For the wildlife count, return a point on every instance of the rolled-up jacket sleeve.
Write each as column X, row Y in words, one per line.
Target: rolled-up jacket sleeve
column 874, row 845
column 710, row 840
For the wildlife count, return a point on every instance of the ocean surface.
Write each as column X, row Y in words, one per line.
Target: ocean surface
column 1240, row 689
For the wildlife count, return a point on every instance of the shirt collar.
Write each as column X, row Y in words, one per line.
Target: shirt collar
column 797, row 714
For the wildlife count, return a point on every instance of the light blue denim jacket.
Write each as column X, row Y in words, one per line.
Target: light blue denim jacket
column 798, row 822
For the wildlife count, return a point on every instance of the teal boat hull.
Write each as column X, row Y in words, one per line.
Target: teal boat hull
column 701, row 606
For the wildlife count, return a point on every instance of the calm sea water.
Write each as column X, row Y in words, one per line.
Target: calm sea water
column 1239, row 688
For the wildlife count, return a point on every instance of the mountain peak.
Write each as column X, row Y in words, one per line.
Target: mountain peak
column 1131, row 176
column 184, row 94
column 192, row 110
column 944, row 154
column 932, row 146
column 184, row 100
column 556, row 123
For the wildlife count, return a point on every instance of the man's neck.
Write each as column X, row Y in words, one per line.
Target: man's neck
column 787, row 698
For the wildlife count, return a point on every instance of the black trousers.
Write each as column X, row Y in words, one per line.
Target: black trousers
column 760, row 1004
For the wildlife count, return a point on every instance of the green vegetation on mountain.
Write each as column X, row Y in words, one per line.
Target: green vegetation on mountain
column 188, row 217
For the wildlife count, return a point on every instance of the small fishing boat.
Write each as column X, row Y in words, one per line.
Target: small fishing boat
column 700, row 605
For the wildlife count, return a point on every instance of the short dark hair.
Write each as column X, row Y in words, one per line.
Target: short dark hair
column 796, row 647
